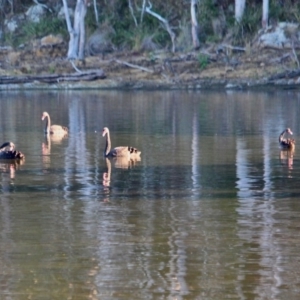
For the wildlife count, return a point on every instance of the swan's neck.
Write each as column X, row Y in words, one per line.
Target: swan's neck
column 108, row 164
column 48, row 125
column 107, row 144
column 281, row 136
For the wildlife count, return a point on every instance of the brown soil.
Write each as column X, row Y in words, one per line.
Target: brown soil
column 161, row 70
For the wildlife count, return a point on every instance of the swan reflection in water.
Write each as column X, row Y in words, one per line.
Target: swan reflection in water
column 106, row 180
column 10, row 167
column 46, row 151
column 46, row 147
column 287, row 158
column 124, row 162
column 287, row 146
column 119, row 163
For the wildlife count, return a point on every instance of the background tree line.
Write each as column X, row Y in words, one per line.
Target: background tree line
column 156, row 24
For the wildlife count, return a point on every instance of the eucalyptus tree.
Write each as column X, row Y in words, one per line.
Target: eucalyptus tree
column 194, row 22
column 239, row 10
column 77, row 30
column 265, row 13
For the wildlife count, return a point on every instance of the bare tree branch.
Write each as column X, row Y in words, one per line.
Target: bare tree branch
column 67, row 16
column 76, row 69
column 132, row 13
column 295, row 54
column 143, row 10
column 133, row 66
column 11, row 2
column 164, row 22
column 236, row 48
column 96, row 12
column 42, row 5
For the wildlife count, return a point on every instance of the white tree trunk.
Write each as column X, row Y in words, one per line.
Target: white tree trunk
column 71, row 52
column 77, row 32
column 195, row 27
column 265, row 13
column 239, row 9
column 82, row 30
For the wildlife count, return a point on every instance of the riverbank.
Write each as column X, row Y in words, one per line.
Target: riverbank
column 261, row 68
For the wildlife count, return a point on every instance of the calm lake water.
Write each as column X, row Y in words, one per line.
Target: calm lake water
column 211, row 211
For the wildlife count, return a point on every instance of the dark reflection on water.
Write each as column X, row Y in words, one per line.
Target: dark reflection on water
column 209, row 212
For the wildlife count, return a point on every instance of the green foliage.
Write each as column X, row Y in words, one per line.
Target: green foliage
column 208, row 9
column 32, row 30
column 152, row 57
column 202, row 61
column 51, row 69
column 249, row 25
column 204, row 18
column 284, row 11
column 126, row 39
column 90, row 22
column 184, row 36
column 44, row 27
column 212, row 39
column 129, row 36
column 10, row 39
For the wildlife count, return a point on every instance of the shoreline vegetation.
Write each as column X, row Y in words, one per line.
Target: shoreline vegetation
column 164, row 47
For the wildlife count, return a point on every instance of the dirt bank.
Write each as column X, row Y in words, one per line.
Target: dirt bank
column 259, row 68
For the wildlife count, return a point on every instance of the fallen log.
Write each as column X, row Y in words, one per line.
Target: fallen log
column 54, row 78
column 288, row 74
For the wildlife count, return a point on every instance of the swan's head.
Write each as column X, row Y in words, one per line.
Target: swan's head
column 289, row 131
column 12, row 146
column 44, row 115
column 105, row 131
column 8, row 145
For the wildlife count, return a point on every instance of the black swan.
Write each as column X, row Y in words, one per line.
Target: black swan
column 53, row 129
column 121, row 151
column 7, row 151
column 286, row 143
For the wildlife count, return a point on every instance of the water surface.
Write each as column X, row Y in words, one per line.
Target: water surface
column 210, row 212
